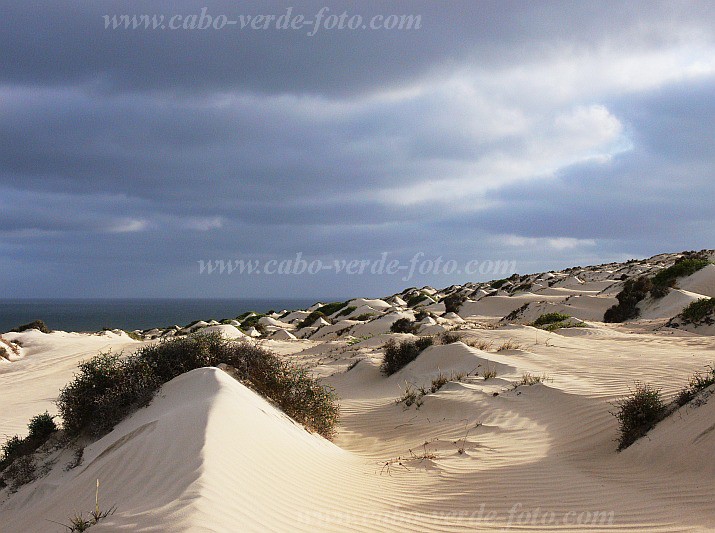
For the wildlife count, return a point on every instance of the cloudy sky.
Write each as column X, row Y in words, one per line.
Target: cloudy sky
column 550, row 134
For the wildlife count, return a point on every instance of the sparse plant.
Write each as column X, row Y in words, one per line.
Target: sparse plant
column 509, row 345
column 479, row 344
column 437, row 383
column 530, row 379
column 409, row 396
column 489, row 373
column 364, row 317
column 79, row 523
column 77, row 459
column 638, row 413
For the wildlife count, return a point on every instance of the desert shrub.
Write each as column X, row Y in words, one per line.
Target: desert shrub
column 108, row 387
column 365, row 316
column 346, row 311
column 453, row 302
column 3, row 352
column 20, row 472
column 398, row 355
column 498, row 283
column 666, row 278
column 449, row 337
column 634, row 290
column 404, row 325
column 331, row 308
column 698, row 382
column 550, row 318
column 516, row 313
column 36, row 324
column 252, row 322
column 311, row 318
column 421, row 315
column 638, row 413
column 418, row 298
column 699, row 311
column 42, row 426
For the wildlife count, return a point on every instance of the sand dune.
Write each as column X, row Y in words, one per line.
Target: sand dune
column 208, row 454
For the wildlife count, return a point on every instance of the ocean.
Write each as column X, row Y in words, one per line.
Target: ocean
column 129, row 314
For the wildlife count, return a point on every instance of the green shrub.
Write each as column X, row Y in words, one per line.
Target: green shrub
column 666, row 278
column 311, row 318
column 634, row 290
column 252, row 321
column 498, row 283
column 346, row 311
column 365, row 316
column 700, row 311
column 108, row 387
column 36, row 324
column 397, row 356
column 550, row 318
column 331, row 308
column 42, row 426
column 638, row 413
column 404, row 325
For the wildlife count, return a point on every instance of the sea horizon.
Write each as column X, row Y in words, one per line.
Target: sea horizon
column 95, row 314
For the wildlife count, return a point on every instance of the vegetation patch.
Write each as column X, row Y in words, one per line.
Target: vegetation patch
column 346, row 311
column 399, row 355
column 554, row 321
column 331, row 308
column 685, row 266
column 311, row 318
column 16, row 462
column 638, row 413
column 701, row 311
column 699, row 381
column 404, row 325
column 634, row 290
column 454, row 302
column 108, row 387
column 36, row 324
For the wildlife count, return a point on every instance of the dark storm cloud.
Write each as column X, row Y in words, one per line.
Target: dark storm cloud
column 536, row 131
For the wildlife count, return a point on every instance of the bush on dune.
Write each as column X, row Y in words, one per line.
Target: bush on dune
column 685, row 266
column 36, row 324
column 399, row 355
column 109, row 387
column 638, row 413
column 634, row 290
